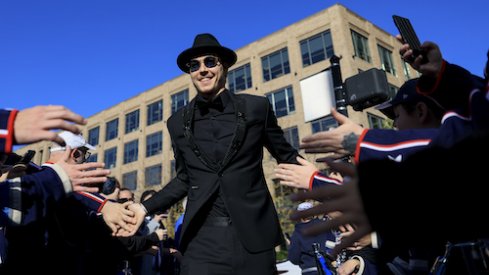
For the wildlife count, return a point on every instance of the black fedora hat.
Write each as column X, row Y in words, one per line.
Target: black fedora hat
column 206, row 43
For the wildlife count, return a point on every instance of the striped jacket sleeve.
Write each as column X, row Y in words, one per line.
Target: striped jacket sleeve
column 7, row 118
column 392, row 144
column 318, row 179
column 92, row 201
column 20, row 197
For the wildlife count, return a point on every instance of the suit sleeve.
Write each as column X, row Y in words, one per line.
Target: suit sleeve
column 275, row 141
column 176, row 189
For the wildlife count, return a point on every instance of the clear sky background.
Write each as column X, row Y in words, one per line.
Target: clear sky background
column 92, row 54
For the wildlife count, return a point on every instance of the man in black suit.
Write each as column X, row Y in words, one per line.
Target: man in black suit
column 230, row 225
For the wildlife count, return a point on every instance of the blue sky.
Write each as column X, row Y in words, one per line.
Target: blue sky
column 90, row 55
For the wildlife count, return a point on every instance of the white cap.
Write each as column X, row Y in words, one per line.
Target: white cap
column 304, row 206
column 74, row 141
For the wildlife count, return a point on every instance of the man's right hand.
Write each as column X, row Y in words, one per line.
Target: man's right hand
column 116, row 215
column 139, row 215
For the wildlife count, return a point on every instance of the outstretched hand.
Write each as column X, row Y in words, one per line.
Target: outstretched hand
column 85, row 176
column 35, row 124
column 344, row 198
column 335, row 141
column 295, row 175
column 138, row 219
column 117, row 216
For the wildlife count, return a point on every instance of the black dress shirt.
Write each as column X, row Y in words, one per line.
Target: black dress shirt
column 213, row 127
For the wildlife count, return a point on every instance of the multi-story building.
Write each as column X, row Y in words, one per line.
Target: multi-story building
column 132, row 139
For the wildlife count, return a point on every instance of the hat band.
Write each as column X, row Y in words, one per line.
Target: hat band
column 56, row 149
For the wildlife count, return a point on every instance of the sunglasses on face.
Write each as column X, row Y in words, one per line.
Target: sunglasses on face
column 209, row 62
column 85, row 154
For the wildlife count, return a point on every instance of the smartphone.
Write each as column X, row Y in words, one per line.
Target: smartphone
column 407, row 32
column 27, row 157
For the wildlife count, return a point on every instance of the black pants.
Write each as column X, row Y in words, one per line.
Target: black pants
column 215, row 250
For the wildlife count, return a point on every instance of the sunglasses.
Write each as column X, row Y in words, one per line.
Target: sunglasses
column 83, row 153
column 209, row 62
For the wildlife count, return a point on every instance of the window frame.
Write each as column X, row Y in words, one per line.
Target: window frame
column 130, row 152
column 132, row 121
column 175, row 99
column 267, row 71
column 327, row 50
column 289, row 100
column 359, row 40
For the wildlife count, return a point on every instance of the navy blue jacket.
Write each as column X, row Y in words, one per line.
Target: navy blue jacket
column 300, row 249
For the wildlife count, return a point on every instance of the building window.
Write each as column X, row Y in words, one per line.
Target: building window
column 360, row 44
column 386, row 60
column 173, row 170
column 131, row 151
column 92, row 158
column 275, row 65
column 406, row 69
column 130, row 180
column 292, row 136
column 155, row 112
column 111, row 129
column 41, row 152
column 323, row 124
column 375, row 122
column 153, row 175
column 110, row 157
column 93, row 136
column 154, row 144
column 316, row 48
column 132, row 121
column 239, row 79
column 179, row 100
column 392, row 91
column 282, row 101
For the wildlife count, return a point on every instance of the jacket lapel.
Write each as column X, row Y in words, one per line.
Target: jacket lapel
column 240, row 130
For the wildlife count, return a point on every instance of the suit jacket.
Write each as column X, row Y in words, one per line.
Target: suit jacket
column 239, row 175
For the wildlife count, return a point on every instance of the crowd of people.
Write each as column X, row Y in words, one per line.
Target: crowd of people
column 393, row 207
column 411, row 186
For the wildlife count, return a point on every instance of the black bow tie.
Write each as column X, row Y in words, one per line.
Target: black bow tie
column 204, row 106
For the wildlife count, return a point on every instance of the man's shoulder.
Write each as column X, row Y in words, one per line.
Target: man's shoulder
column 251, row 97
column 253, row 102
column 178, row 115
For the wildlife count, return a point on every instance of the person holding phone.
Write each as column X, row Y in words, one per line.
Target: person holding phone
column 464, row 130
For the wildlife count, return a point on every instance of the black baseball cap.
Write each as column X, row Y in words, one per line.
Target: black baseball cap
column 406, row 94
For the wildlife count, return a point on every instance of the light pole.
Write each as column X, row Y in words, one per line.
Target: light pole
column 339, row 91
